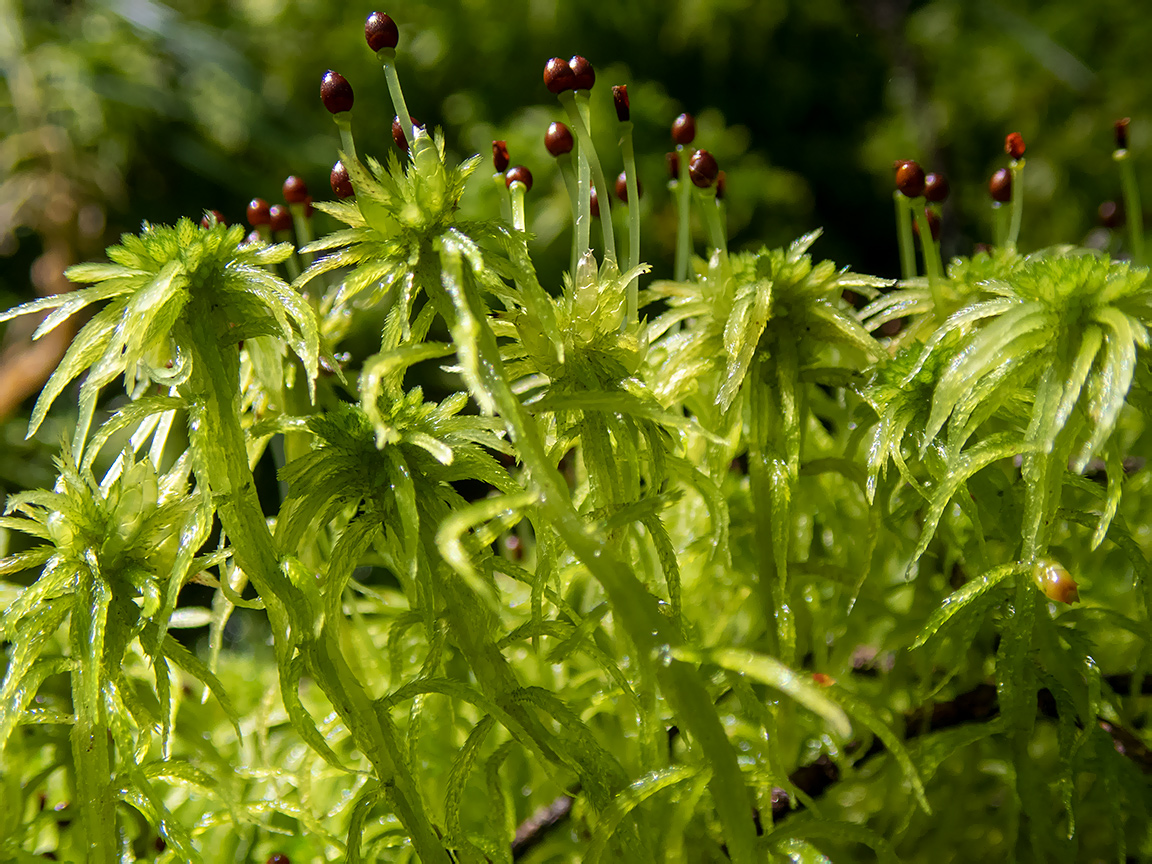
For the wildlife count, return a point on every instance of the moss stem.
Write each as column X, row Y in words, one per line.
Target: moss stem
column 626, row 147
column 683, row 216
column 904, row 236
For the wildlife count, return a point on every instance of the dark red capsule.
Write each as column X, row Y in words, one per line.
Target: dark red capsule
column 381, row 31
column 257, row 212
column 622, row 187
column 336, row 92
column 1111, row 216
column 909, row 178
column 279, row 219
column 558, row 139
column 1000, row 186
column 211, row 216
column 594, row 202
column 500, row 156
column 584, row 74
column 1014, row 145
column 295, row 190
column 398, row 134
column 620, row 100
column 518, row 174
column 673, row 162
column 702, row 168
column 721, row 186
column 1120, row 127
column 936, row 188
column 558, row 75
column 684, row 129
column 341, row 183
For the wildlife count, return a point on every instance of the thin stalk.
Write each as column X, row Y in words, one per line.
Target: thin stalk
column 387, row 56
column 564, row 160
column 633, row 220
column 710, row 209
column 904, row 236
column 516, row 192
column 1132, row 209
column 344, row 124
column 505, row 205
column 577, row 107
column 634, row 606
column 303, row 226
column 999, row 224
column 931, row 255
column 1017, row 169
column 218, row 436
column 683, row 217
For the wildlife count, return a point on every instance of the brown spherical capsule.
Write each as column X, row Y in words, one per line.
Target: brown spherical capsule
column 936, row 188
column 279, row 858
column 1120, row 127
column 518, row 174
column 253, row 237
column 673, row 162
column 212, row 216
column 910, row 178
column 594, row 202
column 1014, row 145
column 933, row 224
column 500, row 157
column 336, row 92
column 1055, row 582
column 702, row 168
column 620, row 100
column 622, row 187
column 584, row 74
column 257, row 212
column 341, row 183
column 684, row 129
column 1111, row 216
column 721, row 186
column 295, row 190
column 279, row 219
column 1000, row 186
column 558, row 139
column 381, row 31
column 398, row 134
column 558, row 75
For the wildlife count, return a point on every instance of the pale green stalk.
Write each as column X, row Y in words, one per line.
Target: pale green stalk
column 344, row 124
column 577, row 107
column 1133, row 211
column 683, row 216
column 1017, row 169
column 516, row 192
column 387, row 56
column 930, row 253
column 626, row 147
column 710, row 210
column 904, row 236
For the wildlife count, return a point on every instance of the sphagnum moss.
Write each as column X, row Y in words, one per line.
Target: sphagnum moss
column 649, row 562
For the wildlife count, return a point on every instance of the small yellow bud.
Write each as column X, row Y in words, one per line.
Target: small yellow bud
column 1054, row 581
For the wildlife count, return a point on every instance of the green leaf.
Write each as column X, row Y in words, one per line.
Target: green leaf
column 768, row 670
column 964, row 598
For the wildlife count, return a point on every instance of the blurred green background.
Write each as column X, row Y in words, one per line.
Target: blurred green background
column 116, row 111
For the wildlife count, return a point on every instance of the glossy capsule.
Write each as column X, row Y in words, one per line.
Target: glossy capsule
column 1054, row 581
